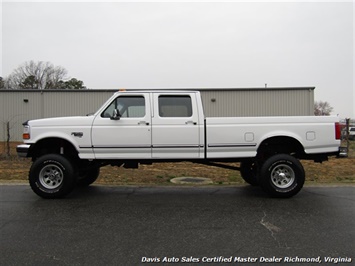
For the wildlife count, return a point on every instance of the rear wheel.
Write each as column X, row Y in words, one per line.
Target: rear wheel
column 52, row 176
column 249, row 172
column 282, row 176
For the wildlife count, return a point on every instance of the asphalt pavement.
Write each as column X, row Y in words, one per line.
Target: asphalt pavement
column 212, row 225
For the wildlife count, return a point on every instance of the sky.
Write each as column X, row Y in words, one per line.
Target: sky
column 234, row 44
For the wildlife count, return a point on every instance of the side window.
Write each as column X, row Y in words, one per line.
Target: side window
column 129, row 106
column 175, row 106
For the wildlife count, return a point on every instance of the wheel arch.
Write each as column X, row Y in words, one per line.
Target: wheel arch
column 280, row 144
column 53, row 145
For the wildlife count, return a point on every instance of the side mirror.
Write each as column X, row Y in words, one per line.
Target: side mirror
column 116, row 115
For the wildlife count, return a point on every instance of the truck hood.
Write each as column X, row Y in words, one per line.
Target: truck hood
column 62, row 121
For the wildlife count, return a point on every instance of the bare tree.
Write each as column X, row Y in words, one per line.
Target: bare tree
column 8, row 138
column 322, row 108
column 36, row 75
column 2, row 83
column 8, row 126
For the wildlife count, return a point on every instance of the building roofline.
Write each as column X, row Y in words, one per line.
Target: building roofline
column 169, row 89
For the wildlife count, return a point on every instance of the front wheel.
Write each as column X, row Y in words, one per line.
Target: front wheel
column 282, row 176
column 52, row 176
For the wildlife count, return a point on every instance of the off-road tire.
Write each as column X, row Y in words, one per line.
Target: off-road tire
column 52, row 176
column 282, row 176
column 88, row 176
column 249, row 172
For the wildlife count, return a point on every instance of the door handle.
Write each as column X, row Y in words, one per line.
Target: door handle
column 143, row 123
column 190, row 123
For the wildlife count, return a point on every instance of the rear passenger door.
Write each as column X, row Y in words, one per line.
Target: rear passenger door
column 175, row 126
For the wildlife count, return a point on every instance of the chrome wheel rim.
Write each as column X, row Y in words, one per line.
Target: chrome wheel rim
column 51, row 176
column 282, row 176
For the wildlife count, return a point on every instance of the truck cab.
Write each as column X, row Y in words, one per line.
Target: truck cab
column 146, row 125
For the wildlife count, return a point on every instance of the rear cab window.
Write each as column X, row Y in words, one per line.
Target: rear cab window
column 175, row 106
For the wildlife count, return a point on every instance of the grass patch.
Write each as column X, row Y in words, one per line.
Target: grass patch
column 14, row 169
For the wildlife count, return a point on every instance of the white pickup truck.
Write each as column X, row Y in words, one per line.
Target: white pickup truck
column 142, row 127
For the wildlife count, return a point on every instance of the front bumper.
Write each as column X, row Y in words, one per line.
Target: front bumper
column 22, row 150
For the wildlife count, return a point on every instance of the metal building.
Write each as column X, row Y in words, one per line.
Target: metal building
column 17, row 106
column 258, row 102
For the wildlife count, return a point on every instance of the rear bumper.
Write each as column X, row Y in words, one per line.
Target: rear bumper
column 321, row 157
column 22, row 150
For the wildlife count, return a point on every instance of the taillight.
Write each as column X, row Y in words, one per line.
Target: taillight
column 337, row 131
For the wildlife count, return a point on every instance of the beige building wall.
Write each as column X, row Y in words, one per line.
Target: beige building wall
column 17, row 106
column 258, row 102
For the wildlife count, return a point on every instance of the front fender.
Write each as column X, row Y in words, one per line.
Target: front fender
column 56, row 135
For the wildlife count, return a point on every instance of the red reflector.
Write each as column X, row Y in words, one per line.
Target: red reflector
column 337, row 131
column 26, row 136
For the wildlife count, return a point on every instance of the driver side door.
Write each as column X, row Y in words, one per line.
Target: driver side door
column 129, row 135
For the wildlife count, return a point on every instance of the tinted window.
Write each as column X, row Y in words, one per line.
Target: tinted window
column 175, row 106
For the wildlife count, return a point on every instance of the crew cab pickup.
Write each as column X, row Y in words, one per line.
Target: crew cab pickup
column 143, row 127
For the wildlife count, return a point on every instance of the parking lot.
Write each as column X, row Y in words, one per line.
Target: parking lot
column 184, row 225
